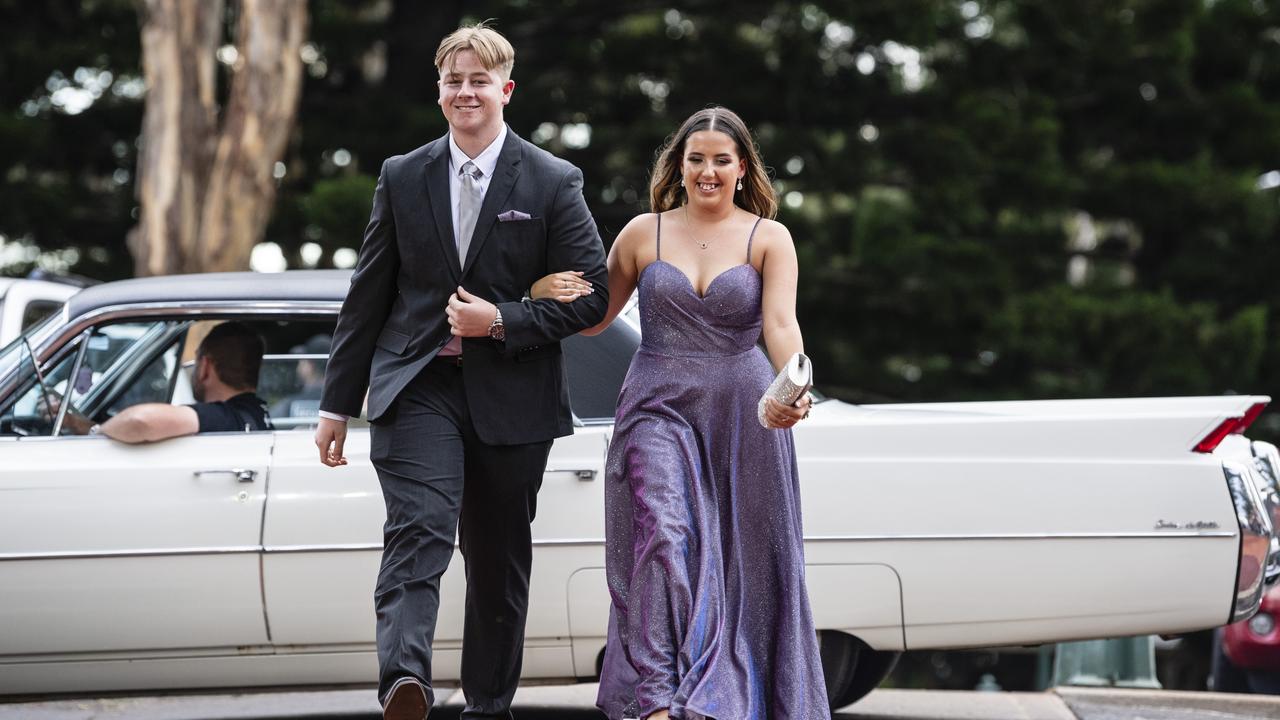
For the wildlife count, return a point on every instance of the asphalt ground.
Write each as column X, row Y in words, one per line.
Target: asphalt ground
column 575, row 702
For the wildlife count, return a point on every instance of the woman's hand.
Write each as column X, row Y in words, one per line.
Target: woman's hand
column 563, row 286
column 780, row 416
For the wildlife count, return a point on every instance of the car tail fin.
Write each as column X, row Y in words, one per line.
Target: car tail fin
column 1230, row 426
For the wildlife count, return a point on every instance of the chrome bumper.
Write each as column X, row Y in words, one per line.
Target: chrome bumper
column 1266, row 460
column 1256, row 537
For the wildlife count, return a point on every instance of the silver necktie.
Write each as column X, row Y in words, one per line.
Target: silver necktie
column 468, row 208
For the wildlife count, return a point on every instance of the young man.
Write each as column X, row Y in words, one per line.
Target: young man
column 466, row 386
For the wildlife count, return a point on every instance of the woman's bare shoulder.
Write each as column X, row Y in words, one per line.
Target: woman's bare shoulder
column 637, row 230
column 772, row 234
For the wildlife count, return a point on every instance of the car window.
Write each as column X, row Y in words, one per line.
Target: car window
column 95, row 369
column 119, row 356
column 596, row 367
column 33, row 411
column 291, row 385
column 153, row 384
column 37, row 310
column 18, row 352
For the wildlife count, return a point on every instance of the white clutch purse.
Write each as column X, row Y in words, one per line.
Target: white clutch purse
column 793, row 381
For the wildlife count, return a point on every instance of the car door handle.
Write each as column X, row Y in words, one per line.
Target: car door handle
column 240, row 474
column 584, row 474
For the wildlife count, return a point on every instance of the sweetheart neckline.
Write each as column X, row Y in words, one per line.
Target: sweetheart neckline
column 689, row 283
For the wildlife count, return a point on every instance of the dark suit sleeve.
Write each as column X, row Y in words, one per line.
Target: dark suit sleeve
column 365, row 310
column 573, row 243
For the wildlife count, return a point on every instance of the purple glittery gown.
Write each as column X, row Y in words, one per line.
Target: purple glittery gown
column 705, row 559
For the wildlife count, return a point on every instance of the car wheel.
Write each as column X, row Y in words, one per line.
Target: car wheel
column 851, row 667
column 1224, row 676
column 1263, row 682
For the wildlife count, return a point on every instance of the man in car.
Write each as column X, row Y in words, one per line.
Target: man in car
column 224, row 383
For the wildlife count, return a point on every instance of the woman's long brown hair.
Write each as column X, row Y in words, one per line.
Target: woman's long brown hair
column 757, row 195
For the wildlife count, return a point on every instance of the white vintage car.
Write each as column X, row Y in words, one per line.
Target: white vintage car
column 236, row 559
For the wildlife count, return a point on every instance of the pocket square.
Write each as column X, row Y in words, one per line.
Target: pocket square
column 510, row 215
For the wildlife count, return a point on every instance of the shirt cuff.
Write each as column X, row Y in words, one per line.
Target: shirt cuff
column 334, row 416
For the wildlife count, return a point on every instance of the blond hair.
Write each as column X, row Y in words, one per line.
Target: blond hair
column 492, row 49
column 757, row 195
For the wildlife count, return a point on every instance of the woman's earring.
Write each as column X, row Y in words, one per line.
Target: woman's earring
column 681, row 182
column 739, row 183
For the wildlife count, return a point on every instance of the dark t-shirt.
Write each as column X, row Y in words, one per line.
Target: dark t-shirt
column 243, row 413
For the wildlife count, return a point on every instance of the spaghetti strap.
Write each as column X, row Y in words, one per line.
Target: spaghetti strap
column 659, row 239
column 752, row 236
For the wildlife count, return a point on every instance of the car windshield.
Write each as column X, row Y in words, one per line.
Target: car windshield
column 15, row 352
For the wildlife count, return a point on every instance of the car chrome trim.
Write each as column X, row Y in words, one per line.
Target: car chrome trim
column 1255, row 538
column 1030, row 536
column 571, row 542
column 360, row 547
column 343, row 547
column 199, row 307
column 1266, row 460
column 149, row 552
column 52, row 340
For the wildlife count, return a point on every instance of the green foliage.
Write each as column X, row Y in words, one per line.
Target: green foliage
column 1062, row 342
column 999, row 198
column 338, row 208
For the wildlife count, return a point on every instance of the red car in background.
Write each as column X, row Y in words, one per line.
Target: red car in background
column 1246, row 655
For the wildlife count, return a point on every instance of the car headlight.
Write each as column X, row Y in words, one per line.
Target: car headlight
column 1262, row 624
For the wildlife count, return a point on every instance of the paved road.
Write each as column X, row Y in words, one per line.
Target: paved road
column 574, row 702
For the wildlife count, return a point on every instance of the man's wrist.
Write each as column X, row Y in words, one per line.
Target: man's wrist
column 497, row 330
column 334, row 416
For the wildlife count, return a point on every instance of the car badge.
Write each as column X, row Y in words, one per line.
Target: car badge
column 1193, row 525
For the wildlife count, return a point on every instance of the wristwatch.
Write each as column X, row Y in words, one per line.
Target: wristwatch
column 497, row 330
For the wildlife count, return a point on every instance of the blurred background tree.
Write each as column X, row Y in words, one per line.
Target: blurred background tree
column 207, row 160
column 991, row 199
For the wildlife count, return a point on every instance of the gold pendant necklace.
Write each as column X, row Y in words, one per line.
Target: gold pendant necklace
column 689, row 225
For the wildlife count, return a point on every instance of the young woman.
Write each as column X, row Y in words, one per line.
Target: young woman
column 710, row 615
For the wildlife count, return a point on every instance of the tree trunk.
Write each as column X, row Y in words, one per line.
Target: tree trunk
column 206, row 188
column 179, row 39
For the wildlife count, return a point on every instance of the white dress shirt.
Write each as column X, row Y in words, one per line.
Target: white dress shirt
column 487, row 162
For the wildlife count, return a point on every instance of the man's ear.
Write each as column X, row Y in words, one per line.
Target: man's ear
column 205, row 369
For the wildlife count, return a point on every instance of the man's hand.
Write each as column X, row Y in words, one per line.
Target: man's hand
column 73, row 423
column 470, row 316
column 330, row 437
column 564, row 286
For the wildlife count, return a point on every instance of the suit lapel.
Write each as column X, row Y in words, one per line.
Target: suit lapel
column 504, row 179
column 437, row 175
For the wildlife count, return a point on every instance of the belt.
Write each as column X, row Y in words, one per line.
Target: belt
column 448, row 360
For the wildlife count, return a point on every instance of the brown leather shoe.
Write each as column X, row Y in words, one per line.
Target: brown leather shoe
column 407, row 700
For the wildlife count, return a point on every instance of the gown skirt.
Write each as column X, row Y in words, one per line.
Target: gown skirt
column 710, row 617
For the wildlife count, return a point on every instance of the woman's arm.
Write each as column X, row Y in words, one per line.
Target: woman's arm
column 781, row 272
column 622, row 270
column 782, row 338
column 566, row 288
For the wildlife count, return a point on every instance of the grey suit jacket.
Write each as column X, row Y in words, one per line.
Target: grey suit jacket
column 393, row 320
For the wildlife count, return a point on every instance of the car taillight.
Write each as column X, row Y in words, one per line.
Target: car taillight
column 1230, row 426
column 1249, row 416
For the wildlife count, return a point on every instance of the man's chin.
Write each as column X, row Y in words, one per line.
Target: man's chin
column 473, row 124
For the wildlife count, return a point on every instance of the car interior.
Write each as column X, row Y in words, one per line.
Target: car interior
column 117, row 365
